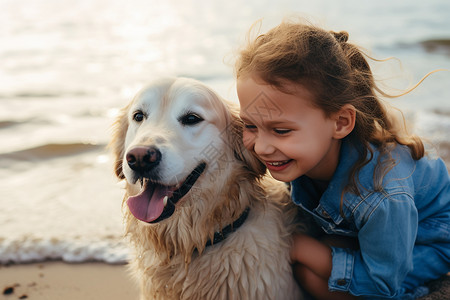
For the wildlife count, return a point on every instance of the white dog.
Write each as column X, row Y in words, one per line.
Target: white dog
column 204, row 221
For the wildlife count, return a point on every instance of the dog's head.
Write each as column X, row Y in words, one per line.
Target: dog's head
column 173, row 135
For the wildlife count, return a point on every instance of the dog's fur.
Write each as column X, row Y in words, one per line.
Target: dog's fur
column 170, row 258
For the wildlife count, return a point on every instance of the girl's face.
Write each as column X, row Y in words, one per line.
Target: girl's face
column 286, row 132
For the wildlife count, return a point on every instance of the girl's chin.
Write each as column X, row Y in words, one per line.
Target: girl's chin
column 284, row 172
column 283, row 177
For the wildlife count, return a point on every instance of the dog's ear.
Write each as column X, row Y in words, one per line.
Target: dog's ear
column 235, row 131
column 117, row 143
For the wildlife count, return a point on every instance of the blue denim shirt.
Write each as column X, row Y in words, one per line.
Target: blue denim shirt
column 394, row 226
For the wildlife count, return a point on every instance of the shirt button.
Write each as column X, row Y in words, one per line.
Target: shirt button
column 341, row 282
column 325, row 214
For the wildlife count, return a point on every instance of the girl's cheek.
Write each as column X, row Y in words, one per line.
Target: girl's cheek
column 248, row 138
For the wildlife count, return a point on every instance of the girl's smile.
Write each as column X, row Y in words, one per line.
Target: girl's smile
column 286, row 131
column 277, row 166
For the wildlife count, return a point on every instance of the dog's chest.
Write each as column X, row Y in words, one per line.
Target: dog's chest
column 241, row 267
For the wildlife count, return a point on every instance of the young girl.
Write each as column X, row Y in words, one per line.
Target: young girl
column 312, row 116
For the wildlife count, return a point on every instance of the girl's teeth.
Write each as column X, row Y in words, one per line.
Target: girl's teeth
column 277, row 163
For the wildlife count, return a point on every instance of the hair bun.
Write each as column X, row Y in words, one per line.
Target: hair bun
column 341, row 36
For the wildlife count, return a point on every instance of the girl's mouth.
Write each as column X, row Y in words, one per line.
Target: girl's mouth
column 277, row 165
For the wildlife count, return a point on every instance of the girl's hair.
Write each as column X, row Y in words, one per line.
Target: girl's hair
column 337, row 74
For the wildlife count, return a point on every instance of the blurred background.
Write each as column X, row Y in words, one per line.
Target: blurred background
column 66, row 67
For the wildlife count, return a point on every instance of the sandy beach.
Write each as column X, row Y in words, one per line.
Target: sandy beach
column 59, row 280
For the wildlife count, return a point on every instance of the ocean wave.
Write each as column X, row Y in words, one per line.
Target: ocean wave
column 7, row 124
column 36, row 121
column 44, row 94
column 441, row 45
column 51, row 151
column 437, row 45
column 26, row 249
column 442, row 113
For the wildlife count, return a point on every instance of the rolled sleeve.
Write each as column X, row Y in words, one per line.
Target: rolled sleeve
column 342, row 271
column 386, row 242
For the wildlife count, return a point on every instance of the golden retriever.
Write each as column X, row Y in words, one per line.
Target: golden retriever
column 204, row 220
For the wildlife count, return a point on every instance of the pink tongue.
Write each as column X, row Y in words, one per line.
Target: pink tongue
column 149, row 204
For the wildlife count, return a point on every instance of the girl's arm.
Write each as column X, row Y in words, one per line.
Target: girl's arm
column 386, row 239
column 314, row 263
column 314, row 255
column 378, row 267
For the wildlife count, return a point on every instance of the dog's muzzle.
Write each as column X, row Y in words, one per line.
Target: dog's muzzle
column 156, row 202
column 143, row 160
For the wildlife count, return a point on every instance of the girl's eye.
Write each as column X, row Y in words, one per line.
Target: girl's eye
column 250, row 127
column 190, row 119
column 138, row 116
column 282, row 131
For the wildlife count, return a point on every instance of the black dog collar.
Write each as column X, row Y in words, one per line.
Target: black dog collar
column 226, row 231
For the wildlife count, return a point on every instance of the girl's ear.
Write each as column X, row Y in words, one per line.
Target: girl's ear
column 345, row 121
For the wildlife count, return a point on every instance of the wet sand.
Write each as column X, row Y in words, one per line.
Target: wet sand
column 97, row 281
column 58, row 280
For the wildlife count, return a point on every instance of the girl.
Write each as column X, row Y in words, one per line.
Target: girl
column 312, row 116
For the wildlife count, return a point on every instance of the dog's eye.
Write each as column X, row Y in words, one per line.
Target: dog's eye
column 190, row 119
column 138, row 116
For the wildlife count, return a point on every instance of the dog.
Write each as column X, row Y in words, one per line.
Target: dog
column 204, row 219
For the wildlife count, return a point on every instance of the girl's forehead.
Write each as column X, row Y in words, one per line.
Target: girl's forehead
column 264, row 103
column 255, row 90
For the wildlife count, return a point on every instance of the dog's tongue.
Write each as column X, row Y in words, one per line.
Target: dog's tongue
column 148, row 205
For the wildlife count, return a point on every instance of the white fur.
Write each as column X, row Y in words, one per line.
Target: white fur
column 171, row 261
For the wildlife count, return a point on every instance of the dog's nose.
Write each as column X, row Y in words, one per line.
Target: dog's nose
column 142, row 158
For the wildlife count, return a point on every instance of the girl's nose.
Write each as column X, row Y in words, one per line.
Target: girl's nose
column 262, row 146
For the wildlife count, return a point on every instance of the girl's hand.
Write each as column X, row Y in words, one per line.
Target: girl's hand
column 313, row 254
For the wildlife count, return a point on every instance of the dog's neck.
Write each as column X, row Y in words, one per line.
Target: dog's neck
column 180, row 238
column 221, row 235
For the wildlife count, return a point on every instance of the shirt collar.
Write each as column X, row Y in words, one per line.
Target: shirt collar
column 303, row 193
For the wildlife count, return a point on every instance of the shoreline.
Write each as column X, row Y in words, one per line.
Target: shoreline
column 69, row 281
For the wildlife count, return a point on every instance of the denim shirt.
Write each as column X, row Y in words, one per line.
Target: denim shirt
column 412, row 209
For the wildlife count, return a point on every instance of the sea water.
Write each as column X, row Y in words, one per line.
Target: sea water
column 66, row 67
